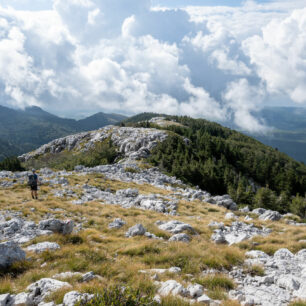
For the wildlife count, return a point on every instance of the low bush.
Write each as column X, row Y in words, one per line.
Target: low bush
column 120, row 296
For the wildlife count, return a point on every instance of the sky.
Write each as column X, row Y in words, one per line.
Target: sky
column 220, row 60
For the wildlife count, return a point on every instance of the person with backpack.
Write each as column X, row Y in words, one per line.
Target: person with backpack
column 33, row 183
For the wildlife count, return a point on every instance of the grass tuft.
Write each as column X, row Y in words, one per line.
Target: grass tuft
column 217, row 281
column 254, row 270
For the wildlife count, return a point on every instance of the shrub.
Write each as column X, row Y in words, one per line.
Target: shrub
column 11, row 164
column 298, row 206
column 120, row 296
column 131, row 170
column 17, row 268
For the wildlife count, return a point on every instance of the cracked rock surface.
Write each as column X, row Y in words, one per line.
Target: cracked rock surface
column 284, row 279
column 237, row 232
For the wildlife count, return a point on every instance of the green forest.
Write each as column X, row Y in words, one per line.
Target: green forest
column 221, row 160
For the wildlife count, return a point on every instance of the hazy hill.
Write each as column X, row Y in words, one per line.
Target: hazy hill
column 289, row 135
column 24, row 130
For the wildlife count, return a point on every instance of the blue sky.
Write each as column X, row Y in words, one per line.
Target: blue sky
column 219, row 60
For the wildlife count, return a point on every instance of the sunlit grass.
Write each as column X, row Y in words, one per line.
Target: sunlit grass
column 117, row 259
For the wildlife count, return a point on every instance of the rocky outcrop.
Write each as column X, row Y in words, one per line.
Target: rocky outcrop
column 270, row 215
column 128, row 198
column 57, row 226
column 236, row 233
column 193, row 293
column 117, row 223
column 180, row 237
column 284, row 279
column 39, row 290
column 133, row 143
column 224, row 201
column 74, row 297
column 43, row 246
column 175, row 227
column 136, row 230
column 10, row 252
column 19, row 230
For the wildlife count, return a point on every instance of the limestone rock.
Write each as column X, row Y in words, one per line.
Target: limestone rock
column 270, row 215
column 195, row 290
column 283, row 282
column 175, row 226
column 174, row 270
column 258, row 211
column 10, row 252
column 237, row 232
column 180, row 237
column 136, row 230
column 283, row 254
column 73, row 297
column 256, row 254
column 204, row 299
column 245, row 209
column 57, row 226
column 43, row 246
column 117, row 223
column 230, row 216
column 68, row 274
column 6, row 299
column 42, row 288
column 128, row 192
column 22, row 299
column 172, row 287
column 224, row 201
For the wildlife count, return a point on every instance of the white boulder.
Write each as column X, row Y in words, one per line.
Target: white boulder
column 172, row 287
column 43, row 246
column 136, row 230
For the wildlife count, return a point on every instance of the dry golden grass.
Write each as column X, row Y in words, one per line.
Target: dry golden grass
column 118, row 259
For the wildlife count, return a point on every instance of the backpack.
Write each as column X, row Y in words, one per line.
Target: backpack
column 32, row 180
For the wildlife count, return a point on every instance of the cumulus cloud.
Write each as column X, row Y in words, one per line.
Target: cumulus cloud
column 279, row 55
column 243, row 99
column 77, row 57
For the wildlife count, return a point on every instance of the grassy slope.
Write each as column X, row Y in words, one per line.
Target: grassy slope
column 116, row 258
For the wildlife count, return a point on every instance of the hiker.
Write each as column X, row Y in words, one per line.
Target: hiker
column 33, row 182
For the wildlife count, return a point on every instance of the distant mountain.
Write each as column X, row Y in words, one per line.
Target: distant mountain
column 7, row 149
column 99, row 119
column 24, row 130
column 289, row 135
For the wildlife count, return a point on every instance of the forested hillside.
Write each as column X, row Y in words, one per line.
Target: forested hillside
column 7, row 149
column 222, row 160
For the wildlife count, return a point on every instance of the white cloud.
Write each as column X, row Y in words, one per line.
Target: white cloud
column 82, row 56
column 279, row 55
column 243, row 99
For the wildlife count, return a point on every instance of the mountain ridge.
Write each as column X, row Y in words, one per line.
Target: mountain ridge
column 27, row 129
column 196, row 151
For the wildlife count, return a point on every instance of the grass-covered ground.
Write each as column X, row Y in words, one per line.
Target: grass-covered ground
column 118, row 259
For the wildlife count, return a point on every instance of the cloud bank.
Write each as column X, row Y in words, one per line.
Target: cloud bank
column 77, row 57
